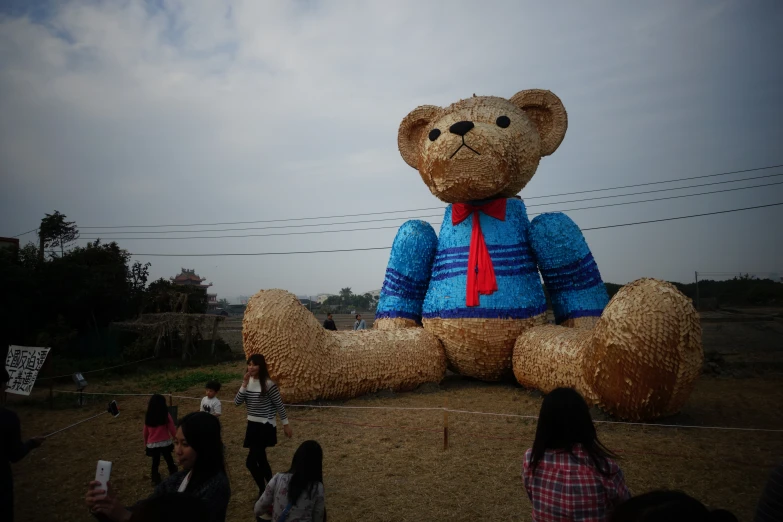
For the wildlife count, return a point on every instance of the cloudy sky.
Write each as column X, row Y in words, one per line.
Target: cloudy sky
column 182, row 112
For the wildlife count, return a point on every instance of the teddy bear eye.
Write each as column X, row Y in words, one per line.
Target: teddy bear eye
column 503, row 122
column 434, row 133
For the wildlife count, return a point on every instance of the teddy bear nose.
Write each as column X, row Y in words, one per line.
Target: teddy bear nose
column 461, row 128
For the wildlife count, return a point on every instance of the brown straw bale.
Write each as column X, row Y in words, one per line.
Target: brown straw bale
column 394, row 323
column 508, row 159
column 646, row 352
column 480, row 348
column 309, row 362
column 548, row 357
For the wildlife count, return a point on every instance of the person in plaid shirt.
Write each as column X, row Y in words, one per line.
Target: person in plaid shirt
column 568, row 474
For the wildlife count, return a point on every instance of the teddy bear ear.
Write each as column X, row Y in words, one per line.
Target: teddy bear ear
column 548, row 114
column 412, row 130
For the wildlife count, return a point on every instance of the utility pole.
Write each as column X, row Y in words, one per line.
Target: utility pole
column 697, row 290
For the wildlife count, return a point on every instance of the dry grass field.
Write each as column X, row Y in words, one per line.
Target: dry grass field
column 390, row 465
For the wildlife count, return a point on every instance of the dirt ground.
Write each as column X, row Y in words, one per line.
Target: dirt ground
column 386, row 465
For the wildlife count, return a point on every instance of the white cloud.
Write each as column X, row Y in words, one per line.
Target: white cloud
column 120, row 113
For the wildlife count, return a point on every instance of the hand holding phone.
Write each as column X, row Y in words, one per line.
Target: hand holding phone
column 102, row 475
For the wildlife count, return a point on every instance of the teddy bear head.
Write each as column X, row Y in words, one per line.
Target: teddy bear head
column 483, row 147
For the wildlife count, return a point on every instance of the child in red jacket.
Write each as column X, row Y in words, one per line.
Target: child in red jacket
column 159, row 433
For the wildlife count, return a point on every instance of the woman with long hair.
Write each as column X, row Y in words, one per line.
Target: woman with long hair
column 568, row 473
column 199, row 450
column 297, row 494
column 263, row 401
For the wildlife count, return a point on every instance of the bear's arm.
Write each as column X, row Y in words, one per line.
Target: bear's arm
column 570, row 273
column 407, row 274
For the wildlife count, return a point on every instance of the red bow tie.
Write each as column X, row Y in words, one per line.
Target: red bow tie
column 481, row 274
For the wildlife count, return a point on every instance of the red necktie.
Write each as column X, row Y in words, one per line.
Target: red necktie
column 481, row 274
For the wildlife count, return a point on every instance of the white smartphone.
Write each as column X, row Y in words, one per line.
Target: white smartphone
column 102, row 475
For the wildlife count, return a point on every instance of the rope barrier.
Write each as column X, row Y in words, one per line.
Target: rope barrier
column 466, row 412
column 95, row 371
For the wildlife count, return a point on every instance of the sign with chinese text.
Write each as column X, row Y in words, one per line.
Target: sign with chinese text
column 23, row 364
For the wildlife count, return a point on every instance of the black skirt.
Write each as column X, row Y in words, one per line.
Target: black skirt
column 260, row 435
column 151, row 452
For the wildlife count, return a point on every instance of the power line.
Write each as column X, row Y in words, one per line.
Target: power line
column 659, row 182
column 389, row 247
column 433, row 224
column 658, row 190
column 417, row 210
column 25, row 233
column 424, row 216
column 684, row 217
column 440, row 208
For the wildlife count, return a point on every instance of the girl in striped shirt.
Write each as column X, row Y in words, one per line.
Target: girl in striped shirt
column 263, row 400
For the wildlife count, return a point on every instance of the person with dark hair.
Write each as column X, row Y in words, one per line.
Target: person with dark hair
column 159, row 432
column 770, row 505
column 210, row 403
column 171, row 506
column 568, row 473
column 668, row 506
column 199, row 450
column 297, row 494
column 263, row 401
column 329, row 323
column 359, row 324
column 13, row 450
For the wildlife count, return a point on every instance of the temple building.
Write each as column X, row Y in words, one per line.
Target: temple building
column 188, row 277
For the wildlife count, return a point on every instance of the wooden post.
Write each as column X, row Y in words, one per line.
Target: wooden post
column 50, row 372
column 186, row 341
column 445, row 424
column 157, row 343
column 171, row 401
column 214, row 334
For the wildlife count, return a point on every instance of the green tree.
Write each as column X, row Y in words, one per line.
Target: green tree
column 333, row 300
column 223, row 303
column 55, row 231
column 345, row 296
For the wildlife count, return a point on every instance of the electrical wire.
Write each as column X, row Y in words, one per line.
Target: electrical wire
column 276, row 227
column 389, row 247
column 433, row 224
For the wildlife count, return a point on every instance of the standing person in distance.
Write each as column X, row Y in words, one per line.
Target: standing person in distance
column 159, row 433
column 263, row 401
column 297, row 494
column 359, row 324
column 13, row 450
column 210, row 403
column 329, row 323
column 568, row 473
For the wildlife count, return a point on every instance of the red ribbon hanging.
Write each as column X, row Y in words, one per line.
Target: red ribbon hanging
column 481, row 274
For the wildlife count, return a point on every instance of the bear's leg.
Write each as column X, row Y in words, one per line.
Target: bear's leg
column 309, row 362
column 407, row 276
column 640, row 361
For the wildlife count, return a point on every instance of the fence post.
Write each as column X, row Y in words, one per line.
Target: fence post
column 445, row 424
column 50, row 372
column 214, row 335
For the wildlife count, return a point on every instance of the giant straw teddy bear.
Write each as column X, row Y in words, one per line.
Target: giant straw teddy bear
column 471, row 298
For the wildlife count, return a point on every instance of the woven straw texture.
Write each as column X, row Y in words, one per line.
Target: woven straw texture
column 640, row 362
column 548, row 357
column 480, row 348
column 646, row 352
column 394, row 323
column 309, row 362
column 489, row 160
